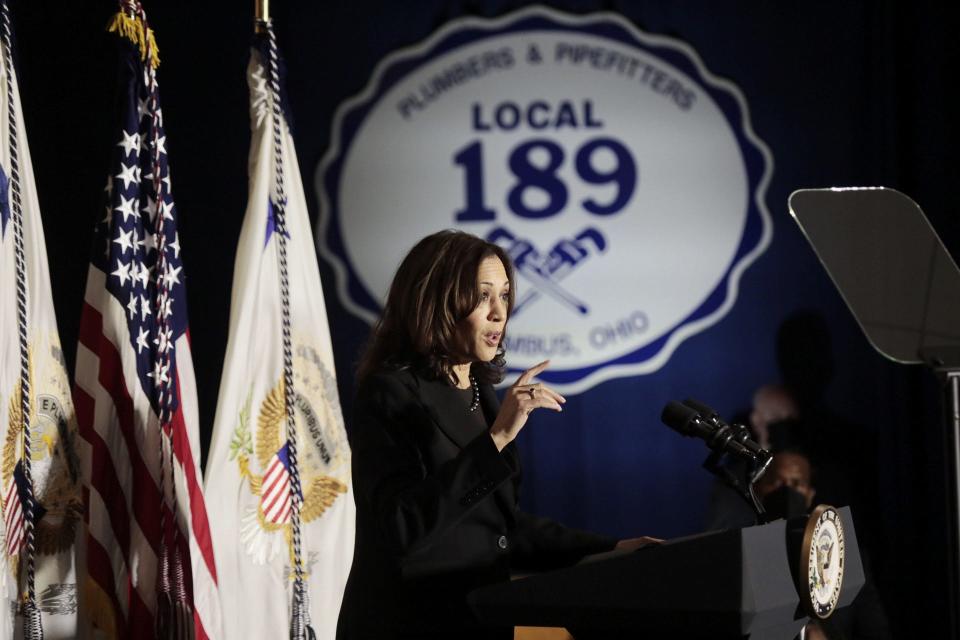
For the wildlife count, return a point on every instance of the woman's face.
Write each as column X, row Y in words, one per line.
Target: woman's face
column 481, row 331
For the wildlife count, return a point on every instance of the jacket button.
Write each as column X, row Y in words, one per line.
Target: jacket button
column 502, row 542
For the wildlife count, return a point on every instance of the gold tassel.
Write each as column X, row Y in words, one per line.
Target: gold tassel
column 99, row 609
column 131, row 28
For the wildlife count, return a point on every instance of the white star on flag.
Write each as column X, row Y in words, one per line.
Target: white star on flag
column 143, row 275
column 172, row 275
column 129, row 175
column 124, row 239
column 144, row 307
column 122, row 271
column 159, row 373
column 167, row 209
column 162, row 340
column 142, row 337
column 130, row 142
column 126, row 208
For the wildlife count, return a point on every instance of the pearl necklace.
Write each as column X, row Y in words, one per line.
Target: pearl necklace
column 476, row 394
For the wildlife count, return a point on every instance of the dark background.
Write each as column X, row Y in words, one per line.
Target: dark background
column 843, row 93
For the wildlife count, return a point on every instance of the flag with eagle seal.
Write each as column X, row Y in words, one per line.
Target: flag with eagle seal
column 26, row 303
column 248, row 480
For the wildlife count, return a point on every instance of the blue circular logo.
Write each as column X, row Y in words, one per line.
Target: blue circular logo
column 621, row 176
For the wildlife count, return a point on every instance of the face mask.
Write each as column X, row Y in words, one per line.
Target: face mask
column 785, row 502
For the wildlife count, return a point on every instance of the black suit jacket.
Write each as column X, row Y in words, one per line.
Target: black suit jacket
column 437, row 513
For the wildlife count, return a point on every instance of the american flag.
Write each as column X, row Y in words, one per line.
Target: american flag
column 13, row 501
column 134, row 379
column 275, row 500
column 13, row 515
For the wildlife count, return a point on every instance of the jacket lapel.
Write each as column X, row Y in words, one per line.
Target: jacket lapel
column 449, row 415
column 447, row 411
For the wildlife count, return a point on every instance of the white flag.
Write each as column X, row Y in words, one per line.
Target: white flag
column 248, row 469
column 51, row 419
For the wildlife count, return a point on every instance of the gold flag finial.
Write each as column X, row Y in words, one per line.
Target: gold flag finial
column 262, row 8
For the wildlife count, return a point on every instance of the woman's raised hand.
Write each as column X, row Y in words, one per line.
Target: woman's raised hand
column 522, row 398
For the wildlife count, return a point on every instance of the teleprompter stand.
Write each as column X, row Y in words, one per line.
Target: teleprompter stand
column 721, row 585
column 904, row 289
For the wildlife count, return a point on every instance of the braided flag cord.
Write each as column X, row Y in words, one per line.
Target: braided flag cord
column 299, row 619
column 173, row 610
column 150, row 555
column 32, row 627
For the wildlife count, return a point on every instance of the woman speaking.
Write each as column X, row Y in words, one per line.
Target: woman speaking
column 435, row 470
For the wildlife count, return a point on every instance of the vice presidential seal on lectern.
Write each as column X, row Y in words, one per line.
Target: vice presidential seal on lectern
column 822, row 562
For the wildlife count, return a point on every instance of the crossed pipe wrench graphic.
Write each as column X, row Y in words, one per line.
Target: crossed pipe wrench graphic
column 546, row 271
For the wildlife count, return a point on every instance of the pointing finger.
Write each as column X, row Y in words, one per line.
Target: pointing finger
column 532, row 372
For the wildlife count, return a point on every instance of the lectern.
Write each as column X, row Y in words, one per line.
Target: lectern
column 726, row 584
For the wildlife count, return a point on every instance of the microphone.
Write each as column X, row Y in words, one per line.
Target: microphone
column 741, row 433
column 696, row 420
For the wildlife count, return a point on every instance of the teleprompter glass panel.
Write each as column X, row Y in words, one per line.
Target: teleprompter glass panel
column 889, row 265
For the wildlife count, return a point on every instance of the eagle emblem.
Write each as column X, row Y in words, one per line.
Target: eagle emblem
column 822, row 562
column 54, row 466
column 264, row 460
column 824, row 556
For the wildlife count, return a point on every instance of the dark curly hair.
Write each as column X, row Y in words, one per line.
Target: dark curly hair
column 434, row 290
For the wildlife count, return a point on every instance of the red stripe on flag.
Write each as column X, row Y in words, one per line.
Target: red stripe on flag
column 144, row 494
column 10, row 504
column 273, row 471
column 273, row 478
column 84, row 405
column 282, row 496
column 13, row 518
column 198, row 506
column 91, row 326
column 275, row 492
column 103, row 477
column 286, row 514
column 100, row 569
column 139, row 618
column 199, row 633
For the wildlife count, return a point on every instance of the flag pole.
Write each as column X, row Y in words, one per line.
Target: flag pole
column 262, row 15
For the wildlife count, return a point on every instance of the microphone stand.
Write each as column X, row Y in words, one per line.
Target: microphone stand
column 745, row 490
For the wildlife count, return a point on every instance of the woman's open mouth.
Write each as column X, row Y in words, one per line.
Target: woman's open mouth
column 492, row 338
